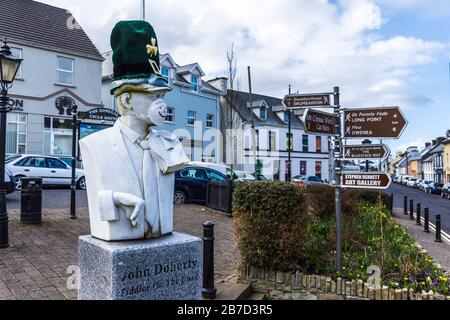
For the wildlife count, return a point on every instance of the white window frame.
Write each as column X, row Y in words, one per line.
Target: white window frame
column 195, row 86
column 17, row 122
column 52, row 135
column 263, row 106
column 19, row 71
column 210, row 120
column 188, row 117
column 171, row 114
column 58, row 70
column 168, row 73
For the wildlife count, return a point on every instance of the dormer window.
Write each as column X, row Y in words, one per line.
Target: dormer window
column 286, row 116
column 194, row 82
column 165, row 72
column 263, row 112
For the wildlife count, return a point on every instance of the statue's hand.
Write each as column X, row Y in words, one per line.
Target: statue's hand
column 129, row 200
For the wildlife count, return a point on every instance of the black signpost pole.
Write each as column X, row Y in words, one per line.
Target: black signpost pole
column 290, row 143
column 337, row 152
column 73, row 190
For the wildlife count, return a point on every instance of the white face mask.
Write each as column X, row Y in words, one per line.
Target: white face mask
column 157, row 112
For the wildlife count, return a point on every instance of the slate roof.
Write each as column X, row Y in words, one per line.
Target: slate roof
column 241, row 105
column 43, row 26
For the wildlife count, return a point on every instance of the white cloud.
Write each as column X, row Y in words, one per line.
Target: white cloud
column 312, row 44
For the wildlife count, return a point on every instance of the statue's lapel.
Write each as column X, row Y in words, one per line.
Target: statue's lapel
column 121, row 150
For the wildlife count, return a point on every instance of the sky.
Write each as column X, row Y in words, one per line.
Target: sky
column 379, row 52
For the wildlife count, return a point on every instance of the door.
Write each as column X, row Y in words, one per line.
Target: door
column 196, row 182
column 60, row 172
column 32, row 167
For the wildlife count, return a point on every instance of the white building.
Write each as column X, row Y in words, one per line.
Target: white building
column 61, row 67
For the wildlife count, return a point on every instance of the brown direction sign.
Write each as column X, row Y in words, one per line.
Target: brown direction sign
column 379, row 151
column 387, row 122
column 316, row 122
column 297, row 101
column 366, row 180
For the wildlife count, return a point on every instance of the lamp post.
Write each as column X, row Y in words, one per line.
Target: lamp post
column 8, row 70
column 366, row 142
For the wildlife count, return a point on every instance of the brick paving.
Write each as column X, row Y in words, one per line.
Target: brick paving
column 35, row 265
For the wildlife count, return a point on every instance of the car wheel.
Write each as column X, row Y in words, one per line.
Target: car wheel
column 18, row 182
column 179, row 198
column 81, row 183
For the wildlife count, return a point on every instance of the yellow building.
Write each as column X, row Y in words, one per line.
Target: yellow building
column 414, row 168
column 446, row 144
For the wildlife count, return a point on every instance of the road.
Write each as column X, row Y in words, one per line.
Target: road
column 52, row 198
column 434, row 202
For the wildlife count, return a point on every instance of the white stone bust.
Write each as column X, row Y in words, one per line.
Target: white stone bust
column 130, row 167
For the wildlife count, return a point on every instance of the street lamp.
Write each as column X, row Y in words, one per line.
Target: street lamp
column 8, row 70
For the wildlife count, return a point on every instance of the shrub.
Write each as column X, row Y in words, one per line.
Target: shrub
column 270, row 222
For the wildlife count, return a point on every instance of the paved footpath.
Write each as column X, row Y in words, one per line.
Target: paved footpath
column 437, row 251
column 35, row 265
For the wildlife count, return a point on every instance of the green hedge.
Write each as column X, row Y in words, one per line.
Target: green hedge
column 270, row 222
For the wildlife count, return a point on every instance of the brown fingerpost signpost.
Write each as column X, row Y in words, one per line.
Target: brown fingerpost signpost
column 352, row 152
column 298, row 101
column 386, row 122
column 317, row 122
column 366, row 180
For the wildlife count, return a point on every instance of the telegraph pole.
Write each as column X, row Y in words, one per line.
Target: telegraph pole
column 250, row 97
column 337, row 153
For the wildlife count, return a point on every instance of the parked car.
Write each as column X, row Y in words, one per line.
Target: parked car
column 52, row 170
column 222, row 168
column 306, row 180
column 434, row 188
column 417, row 183
column 191, row 184
column 404, row 180
column 423, row 185
column 244, row 176
column 411, row 182
column 446, row 191
column 10, row 185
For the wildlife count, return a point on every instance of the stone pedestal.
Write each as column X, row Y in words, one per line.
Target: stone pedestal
column 161, row 269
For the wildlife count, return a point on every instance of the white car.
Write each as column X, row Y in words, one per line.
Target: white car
column 244, row 176
column 52, row 170
column 411, row 182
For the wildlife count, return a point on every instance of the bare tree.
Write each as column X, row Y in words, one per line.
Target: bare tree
column 229, row 117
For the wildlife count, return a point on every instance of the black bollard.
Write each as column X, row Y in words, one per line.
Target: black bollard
column 208, row 291
column 438, row 228
column 405, row 205
column 411, row 209
column 426, row 227
column 418, row 222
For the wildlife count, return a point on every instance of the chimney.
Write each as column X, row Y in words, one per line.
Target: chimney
column 220, row 84
column 439, row 140
column 433, row 142
column 427, row 144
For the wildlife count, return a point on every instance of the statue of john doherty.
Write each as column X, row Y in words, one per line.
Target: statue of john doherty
column 130, row 167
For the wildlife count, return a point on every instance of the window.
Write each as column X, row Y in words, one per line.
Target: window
column 64, row 71
column 303, row 167
column 17, row 53
column 318, row 144
column 257, row 140
column 191, row 117
column 56, row 164
column 305, row 140
column 209, row 120
column 319, row 169
column 165, row 72
column 194, row 82
column 263, row 112
column 34, row 162
column 170, row 115
column 57, row 136
column 272, row 140
column 289, row 141
column 16, row 133
column 214, row 176
column 193, row 174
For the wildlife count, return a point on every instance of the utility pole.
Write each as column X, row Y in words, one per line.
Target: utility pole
column 290, row 143
column 337, row 153
column 250, row 97
column 143, row 9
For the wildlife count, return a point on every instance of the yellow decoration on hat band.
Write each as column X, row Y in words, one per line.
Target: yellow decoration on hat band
column 152, row 49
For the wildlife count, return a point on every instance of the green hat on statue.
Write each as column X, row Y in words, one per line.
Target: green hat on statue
column 136, row 58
